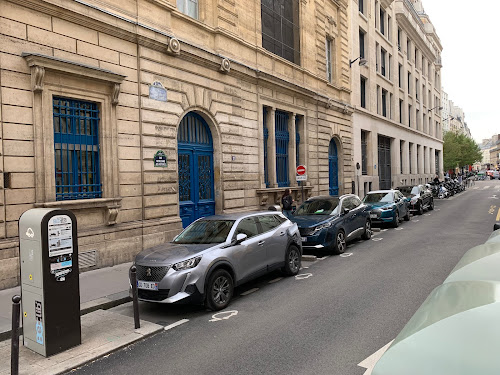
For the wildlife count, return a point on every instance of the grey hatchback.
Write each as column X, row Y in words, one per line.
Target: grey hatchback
column 214, row 254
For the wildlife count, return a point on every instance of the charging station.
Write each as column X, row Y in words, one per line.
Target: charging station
column 50, row 288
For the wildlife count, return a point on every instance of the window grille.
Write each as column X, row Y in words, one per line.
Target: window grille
column 282, row 139
column 76, row 149
column 266, row 137
column 364, row 154
column 297, row 141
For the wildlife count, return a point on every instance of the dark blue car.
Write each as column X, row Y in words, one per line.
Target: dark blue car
column 327, row 223
column 387, row 206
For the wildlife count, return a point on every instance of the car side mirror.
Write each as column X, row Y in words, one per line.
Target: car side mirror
column 345, row 211
column 240, row 237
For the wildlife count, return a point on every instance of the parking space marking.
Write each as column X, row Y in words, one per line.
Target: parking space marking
column 486, row 187
column 416, row 221
column 384, row 230
column 427, row 214
column 326, row 256
column 345, row 255
column 224, row 315
column 275, row 280
column 377, row 239
column 303, row 276
column 249, row 292
column 399, row 228
column 176, row 324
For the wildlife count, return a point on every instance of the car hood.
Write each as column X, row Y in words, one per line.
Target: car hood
column 308, row 221
column 169, row 253
column 371, row 206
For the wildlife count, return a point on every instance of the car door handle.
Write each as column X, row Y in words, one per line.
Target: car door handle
column 261, row 243
column 282, row 233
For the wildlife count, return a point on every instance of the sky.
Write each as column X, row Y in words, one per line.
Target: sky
column 468, row 33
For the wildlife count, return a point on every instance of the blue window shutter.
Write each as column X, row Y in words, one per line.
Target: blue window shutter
column 266, row 136
column 282, row 139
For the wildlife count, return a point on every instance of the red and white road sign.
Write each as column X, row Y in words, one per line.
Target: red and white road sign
column 301, row 170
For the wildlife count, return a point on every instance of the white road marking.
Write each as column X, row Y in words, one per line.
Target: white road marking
column 275, row 280
column 345, row 255
column 486, row 187
column 326, row 256
column 384, row 230
column 416, row 221
column 223, row 315
column 370, row 362
column 437, row 209
column 303, row 276
column 178, row 323
column 304, row 268
column 399, row 228
column 377, row 239
column 475, row 188
column 427, row 214
column 249, row 292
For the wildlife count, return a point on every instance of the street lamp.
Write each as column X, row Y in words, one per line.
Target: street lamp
column 440, row 108
column 362, row 61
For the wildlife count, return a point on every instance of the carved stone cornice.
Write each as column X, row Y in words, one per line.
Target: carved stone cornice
column 37, row 75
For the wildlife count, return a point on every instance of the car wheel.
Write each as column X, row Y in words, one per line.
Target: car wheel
column 420, row 208
column 340, row 243
column 395, row 223
column 368, row 231
column 292, row 261
column 407, row 216
column 219, row 290
column 431, row 205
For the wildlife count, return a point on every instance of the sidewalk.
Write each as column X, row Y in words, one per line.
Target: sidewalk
column 101, row 288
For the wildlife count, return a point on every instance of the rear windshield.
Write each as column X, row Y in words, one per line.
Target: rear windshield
column 205, row 232
column 318, row 207
column 379, row 197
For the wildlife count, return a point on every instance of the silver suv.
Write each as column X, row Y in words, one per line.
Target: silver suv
column 214, row 254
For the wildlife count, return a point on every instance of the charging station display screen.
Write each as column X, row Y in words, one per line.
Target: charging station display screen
column 60, row 230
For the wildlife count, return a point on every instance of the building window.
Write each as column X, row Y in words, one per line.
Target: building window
column 409, row 155
column 266, row 137
column 361, row 43
column 364, row 153
column 400, row 76
column 363, row 91
column 399, row 39
column 391, row 111
column 418, row 159
column 400, row 111
column 417, row 116
column 280, row 28
column 361, row 6
column 329, row 67
column 378, row 100
column 382, row 21
column 297, row 141
column 76, row 149
column 189, row 7
column 409, row 115
column 384, row 103
column 377, row 56
column 416, row 88
column 282, row 140
column 383, row 55
column 409, row 83
column 401, row 145
column 408, row 50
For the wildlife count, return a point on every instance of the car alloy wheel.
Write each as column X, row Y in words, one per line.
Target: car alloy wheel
column 368, row 230
column 340, row 243
column 395, row 223
column 420, row 208
column 431, row 205
column 292, row 261
column 219, row 290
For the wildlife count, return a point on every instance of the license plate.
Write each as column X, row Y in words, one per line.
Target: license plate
column 304, row 239
column 147, row 285
column 373, row 216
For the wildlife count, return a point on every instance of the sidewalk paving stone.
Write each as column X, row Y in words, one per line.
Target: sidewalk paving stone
column 103, row 332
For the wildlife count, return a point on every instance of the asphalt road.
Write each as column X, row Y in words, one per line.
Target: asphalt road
column 323, row 323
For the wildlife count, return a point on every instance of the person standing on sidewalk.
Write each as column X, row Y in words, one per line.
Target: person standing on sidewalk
column 286, row 203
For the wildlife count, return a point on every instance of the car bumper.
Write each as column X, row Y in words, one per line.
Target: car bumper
column 317, row 241
column 382, row 217
column 175, row 287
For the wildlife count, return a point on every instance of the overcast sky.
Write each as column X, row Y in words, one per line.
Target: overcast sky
column 468, row 33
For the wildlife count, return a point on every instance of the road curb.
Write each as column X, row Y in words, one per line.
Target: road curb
column 309, row 258
column 103, row 303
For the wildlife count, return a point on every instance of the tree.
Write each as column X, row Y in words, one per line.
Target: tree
column 459, row 150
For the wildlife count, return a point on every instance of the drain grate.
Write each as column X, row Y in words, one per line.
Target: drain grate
column 87, row 259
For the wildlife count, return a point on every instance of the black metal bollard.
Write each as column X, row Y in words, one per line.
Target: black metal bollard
column 14, row 351
column 135, row 297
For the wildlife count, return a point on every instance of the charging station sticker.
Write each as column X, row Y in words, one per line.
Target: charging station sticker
column 39, row 322
column 60, row 230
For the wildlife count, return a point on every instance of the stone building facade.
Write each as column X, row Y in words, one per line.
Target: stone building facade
column 396, row 94
column 226, row 96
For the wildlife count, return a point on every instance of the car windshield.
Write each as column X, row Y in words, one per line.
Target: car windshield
column 318, row 207
column 378, row 197
column 205, row 232
column 409, row 191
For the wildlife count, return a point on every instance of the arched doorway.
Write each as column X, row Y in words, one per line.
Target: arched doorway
column 196, row 169
column 333, row 167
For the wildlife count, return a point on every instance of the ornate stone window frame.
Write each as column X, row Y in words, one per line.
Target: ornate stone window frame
column 53, row 76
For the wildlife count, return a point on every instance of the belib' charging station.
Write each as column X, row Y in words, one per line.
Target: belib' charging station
column 50, row 290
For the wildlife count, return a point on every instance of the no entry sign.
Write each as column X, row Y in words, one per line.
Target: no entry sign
column 301, row 173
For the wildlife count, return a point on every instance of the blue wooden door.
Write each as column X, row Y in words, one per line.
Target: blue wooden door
column 333, row 164
column 196, row 170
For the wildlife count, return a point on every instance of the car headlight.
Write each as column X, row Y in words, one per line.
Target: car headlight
column 323, row 226
column 186, row 264
column 387, row 208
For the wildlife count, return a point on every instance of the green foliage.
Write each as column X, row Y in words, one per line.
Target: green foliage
column 459, row 150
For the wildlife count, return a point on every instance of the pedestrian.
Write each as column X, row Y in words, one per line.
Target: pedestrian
column 436, row 179
column 286, row 203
